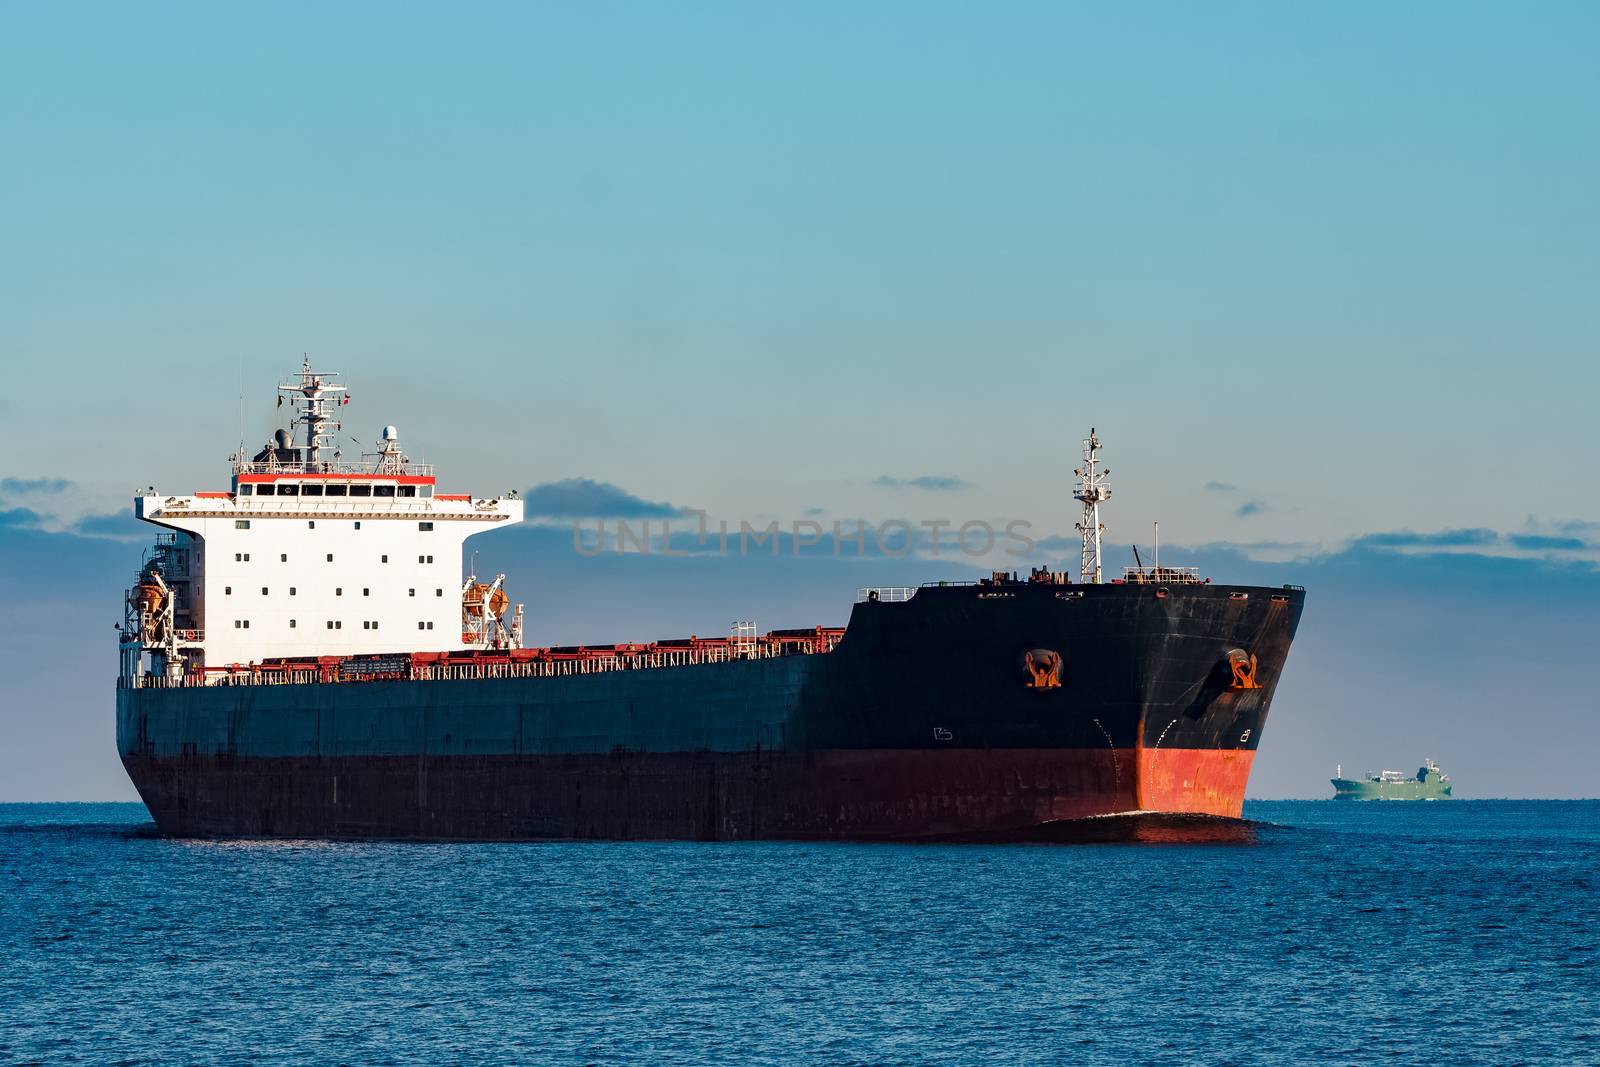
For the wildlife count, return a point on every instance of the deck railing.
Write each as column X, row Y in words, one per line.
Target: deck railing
column 521, row 663
column 316, row 470
column 888, row 594
column 1161, row 575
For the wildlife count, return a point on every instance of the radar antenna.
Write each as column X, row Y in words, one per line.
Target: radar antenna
column 1091, row 491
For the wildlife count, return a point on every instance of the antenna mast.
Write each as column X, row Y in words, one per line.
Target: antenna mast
column 1091, row 491
column 311, row 396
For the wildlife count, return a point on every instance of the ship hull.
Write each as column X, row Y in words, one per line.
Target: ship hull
column 925, row 723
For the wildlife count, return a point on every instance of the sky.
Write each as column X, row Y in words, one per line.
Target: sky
column 1323, row 277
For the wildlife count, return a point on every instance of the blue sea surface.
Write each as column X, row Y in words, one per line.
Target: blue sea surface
column 1464, row 931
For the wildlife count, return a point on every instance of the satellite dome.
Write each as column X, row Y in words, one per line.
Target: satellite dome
column 390, row 433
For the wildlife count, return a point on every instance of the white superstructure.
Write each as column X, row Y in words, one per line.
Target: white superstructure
column 311, row 556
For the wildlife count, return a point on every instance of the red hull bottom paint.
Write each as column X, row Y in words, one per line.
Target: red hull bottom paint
column 1199, row 781
column 862, row 795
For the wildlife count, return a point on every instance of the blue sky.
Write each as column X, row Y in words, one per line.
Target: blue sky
column 1323, row 276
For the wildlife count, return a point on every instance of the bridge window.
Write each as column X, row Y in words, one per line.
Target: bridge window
column 383, row 490
column 244, row 490
column 334, row 490
column 361, row 490
column 266, row 489
column 406, row 490
column 289, row 489
column 311, row 490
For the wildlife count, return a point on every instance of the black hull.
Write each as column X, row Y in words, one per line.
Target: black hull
column 925, row 723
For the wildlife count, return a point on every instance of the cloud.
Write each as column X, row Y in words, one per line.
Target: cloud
column 1220, row 487
column 22, row 518
column 1251, row 507
column 1566, row 528
column 937, row 482
column 49, row 486
column 117, row 525
column 1545, row 543
column 584, row 497
column 1471, row 538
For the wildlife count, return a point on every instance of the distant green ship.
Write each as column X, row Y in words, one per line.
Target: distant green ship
column 1429, row 783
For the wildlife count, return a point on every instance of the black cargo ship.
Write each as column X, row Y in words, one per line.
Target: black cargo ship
column 1003, row 709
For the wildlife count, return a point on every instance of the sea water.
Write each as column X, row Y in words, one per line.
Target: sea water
column 1462, row 931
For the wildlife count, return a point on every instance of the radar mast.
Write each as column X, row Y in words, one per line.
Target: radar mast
column 311, row 397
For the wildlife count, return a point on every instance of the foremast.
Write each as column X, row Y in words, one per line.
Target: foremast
column 1091, row 492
